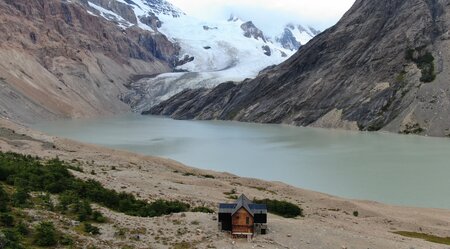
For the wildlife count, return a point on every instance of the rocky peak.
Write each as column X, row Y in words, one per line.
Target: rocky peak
column 288, row 40
column 233, row 18
column 251, row 31
column 295, row 36
column 162, row 7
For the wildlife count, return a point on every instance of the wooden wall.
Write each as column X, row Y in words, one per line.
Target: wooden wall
column 239, row 222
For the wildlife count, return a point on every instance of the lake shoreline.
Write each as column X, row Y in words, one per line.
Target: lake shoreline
column 328, row 219
column 385, row 167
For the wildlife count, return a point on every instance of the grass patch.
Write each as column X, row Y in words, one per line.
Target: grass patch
column 202, row 210
column 426, row 237
column 281, row 208
column 231, row 194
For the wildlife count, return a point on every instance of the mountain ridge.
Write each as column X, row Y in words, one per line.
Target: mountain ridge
column 355, row 75
column 61, row 61
column 73, row 59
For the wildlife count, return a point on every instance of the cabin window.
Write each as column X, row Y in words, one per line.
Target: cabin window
column 247, row 220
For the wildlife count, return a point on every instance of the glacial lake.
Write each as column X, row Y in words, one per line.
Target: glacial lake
column 390, row 168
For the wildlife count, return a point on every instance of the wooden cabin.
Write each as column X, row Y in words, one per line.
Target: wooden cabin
column 243, row 218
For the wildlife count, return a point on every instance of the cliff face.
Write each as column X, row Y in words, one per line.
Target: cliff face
column 384, row 65
column 59, row 60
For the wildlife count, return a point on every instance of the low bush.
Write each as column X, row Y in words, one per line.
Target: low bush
column 426, row 237
column 22, row 229
column 91, row 229
column 6, row 220
column 21, row 198
column 282, row 208
column 10, row 239
column 55, row 178
column 4, row 200
column 203, row 210
column 45, row 234
column 424, row 61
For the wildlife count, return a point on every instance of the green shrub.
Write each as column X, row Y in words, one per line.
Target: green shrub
column 46, row 201
column 282, row 208
column 4, row 200
column 54, row 177
column 88, row 228
column 424, row 61
column 11, row 239
column 66, row 240
column 203, row 210
column 45, row 234
column 22, row 228
column 355, row 213
column 426, row 237
column 6, row 219
column 21, row 198
column 232, row 192
column 98, row 217
column 83, row 210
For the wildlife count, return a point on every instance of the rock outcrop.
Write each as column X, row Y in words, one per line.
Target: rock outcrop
column 288, row 40
column 60, row 60
column 251, row 31
column 384, row 66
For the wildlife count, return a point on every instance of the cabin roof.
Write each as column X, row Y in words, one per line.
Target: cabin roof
column 242, row 202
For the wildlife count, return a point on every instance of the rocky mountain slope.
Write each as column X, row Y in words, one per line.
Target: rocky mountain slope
column 81, row 58
column 61, row 59
column 384, row 66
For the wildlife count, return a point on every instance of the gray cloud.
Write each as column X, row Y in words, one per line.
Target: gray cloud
column 270, row 14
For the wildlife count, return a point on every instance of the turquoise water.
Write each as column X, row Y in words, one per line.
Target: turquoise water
column 395, row 169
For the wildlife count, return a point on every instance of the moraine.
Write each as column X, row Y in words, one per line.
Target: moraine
column 395, row 169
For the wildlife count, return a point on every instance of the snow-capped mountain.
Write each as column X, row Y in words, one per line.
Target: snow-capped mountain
column 211, row 52
column 294, row 36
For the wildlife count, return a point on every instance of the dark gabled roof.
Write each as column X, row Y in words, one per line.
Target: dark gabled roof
column 226, row 208
column 242, row 202
column 258, row 208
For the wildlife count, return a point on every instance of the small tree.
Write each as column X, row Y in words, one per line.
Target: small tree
column 4, row 200
column 20, row 198
column 6, row 220
column 45, row 234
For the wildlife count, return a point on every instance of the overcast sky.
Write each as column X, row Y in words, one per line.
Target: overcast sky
column 272, row 14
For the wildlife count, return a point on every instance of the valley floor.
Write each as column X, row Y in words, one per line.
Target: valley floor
column 328, row 223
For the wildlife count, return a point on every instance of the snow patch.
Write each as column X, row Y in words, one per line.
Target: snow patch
column 111, row 16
